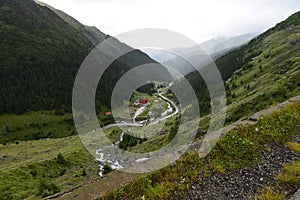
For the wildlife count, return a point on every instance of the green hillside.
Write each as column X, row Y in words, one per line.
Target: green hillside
column 261, row 73
column 41, row 53
column 92, row 33
column 37, row 48
column 269, row 71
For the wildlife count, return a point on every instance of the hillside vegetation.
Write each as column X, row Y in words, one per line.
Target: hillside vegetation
column 241, row 149
column 259, row 74
column 37, row 48
column 263, row 72
column 41, row 52
column 44, row 167
column 92, row 33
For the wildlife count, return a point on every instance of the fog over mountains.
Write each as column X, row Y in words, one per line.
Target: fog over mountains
column 214, row 48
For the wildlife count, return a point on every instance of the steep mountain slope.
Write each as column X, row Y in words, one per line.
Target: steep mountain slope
column 92, row 33
column 132, row 59
column 41, row 53
column 263, row 72
column 37, row 48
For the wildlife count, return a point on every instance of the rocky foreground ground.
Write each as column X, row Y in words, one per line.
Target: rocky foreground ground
column 244, row 183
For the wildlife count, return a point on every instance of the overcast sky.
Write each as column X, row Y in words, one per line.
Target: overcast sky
column 198, row 19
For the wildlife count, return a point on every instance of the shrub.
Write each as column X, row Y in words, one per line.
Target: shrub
column 33, row 172
column 62, row 171
column 106, row 169
column 61, row 159
column 83, row 172
column 47, row 188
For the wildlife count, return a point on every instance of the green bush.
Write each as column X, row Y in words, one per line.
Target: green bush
column 33, row 172
column 47, row 188
column 62, row 171
column 61, row 159
column 106, row 169
column 83, row 172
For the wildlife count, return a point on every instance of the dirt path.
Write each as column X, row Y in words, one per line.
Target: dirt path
column 117, row 179
column 97, row 188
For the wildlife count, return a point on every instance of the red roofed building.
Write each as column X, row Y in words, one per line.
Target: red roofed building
column 108, row 114
column 141, row 102
column 144, row 101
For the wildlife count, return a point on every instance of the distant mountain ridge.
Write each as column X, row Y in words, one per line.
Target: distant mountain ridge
column 215, row 48
column 218, row 45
